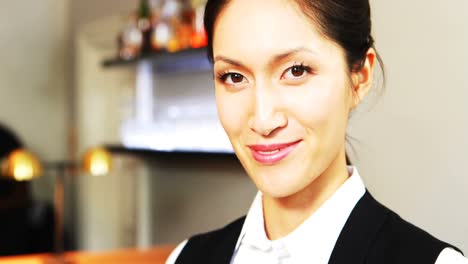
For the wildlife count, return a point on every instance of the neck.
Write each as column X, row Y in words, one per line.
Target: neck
column 284, row 214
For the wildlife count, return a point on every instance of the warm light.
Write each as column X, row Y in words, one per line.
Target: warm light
column 21, row 165
column 97, row 162
column 199, row 40
column 173, row 45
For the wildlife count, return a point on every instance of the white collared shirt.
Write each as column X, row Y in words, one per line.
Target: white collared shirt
column 311, row 242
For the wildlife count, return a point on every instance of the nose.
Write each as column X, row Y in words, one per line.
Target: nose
column 268, row 116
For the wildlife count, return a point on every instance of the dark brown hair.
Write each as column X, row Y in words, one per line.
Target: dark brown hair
column 346, row 22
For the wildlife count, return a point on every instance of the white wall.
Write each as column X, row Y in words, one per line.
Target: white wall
column 103, row 219
column 33, row 76
column 413, row 143
column 196, row 194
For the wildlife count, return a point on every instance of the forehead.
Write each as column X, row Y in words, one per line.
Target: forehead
column 264, row 27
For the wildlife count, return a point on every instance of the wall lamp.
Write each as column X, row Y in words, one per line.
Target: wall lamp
column 22, row 165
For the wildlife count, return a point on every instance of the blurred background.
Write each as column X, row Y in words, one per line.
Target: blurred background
column 75, row 74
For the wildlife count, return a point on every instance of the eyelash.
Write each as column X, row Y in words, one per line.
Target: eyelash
column 222, row 76
column 302, row 66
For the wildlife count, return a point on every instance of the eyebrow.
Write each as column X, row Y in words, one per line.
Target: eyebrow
column 290, row 53
column 272, row 61
column 229, row 61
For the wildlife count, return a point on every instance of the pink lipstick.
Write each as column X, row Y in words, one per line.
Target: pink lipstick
column 272, row 153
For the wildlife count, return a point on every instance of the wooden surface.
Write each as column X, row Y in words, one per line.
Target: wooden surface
column 153, row 255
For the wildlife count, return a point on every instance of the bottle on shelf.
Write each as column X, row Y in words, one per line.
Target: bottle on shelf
column 130, row 40
column 170, row 25
column 199, row 38
column 163, row 33
column 185, row 26
column 144, row 24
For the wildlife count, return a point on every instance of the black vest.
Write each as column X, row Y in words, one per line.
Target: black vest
column 373, row 234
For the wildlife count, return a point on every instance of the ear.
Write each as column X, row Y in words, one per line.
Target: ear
column 362, row 79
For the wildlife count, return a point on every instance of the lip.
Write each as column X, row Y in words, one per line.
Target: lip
column 272, row 153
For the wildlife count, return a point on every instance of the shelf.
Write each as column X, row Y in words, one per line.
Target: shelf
column 164, row 61
column 140, row 135
column 120, row 149
column 198, row 134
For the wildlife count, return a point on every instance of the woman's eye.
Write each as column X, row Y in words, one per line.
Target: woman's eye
column 296, row 71
column 233, row 78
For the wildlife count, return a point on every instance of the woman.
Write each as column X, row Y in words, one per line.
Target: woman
column 287, row 76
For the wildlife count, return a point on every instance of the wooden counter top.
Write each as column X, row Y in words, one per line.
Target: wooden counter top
column 155, row 255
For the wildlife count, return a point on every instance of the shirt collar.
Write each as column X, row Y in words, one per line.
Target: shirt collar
column 317, row 235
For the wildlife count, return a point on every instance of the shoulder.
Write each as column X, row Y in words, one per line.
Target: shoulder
column 376, row 234
column 220, row 241
column 404, row 233
column 402, row 239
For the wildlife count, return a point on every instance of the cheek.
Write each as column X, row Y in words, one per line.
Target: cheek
column 321, row 111
column 322, row 103
column 232, row 111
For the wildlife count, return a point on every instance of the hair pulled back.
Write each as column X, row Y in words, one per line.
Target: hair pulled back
column 346, row 22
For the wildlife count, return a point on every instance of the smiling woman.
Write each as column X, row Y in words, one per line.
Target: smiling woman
column 287, row 76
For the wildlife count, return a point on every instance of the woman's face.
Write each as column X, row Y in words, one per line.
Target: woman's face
column 283, row 93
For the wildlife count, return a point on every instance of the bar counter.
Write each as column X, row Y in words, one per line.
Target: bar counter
column 154, row 255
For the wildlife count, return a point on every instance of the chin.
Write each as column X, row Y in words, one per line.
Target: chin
column 278, row 183
column 277, row 192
